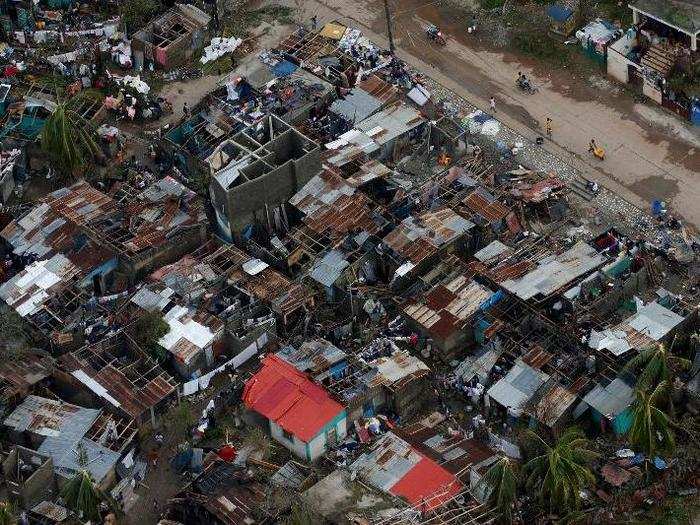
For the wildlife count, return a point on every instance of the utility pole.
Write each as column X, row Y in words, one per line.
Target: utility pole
column 392, row 47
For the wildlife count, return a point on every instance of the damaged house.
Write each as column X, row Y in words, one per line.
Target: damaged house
column 392, row 465
column 194, row 338
column 448, row 312
column 224, row 494
column 59, row 430
column 418, row 241
column 382, row 378
column 256, row 171
column 172, row 38
column 119, row 375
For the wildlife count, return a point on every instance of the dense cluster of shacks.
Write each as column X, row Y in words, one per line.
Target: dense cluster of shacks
column 383, row 292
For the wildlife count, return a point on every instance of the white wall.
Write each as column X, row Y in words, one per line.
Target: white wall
column 618, row 67
column 317, row 446
column 617, row 57
column 295, row 445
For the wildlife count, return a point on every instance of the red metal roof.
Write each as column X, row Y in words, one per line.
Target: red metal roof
column 286, row 396
column 427, row 484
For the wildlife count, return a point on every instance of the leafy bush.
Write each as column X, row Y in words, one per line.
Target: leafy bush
column 148, row 330
column 137, row 13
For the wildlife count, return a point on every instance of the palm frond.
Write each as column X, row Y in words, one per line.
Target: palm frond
column 500, row 485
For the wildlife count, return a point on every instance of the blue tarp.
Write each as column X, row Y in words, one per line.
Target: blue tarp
column 695, row 114
column 283, row 69
column 482, row 117
column 657, row 208
column 494, row 299
column 480, row 330
column 659, row 463
column 559, row 13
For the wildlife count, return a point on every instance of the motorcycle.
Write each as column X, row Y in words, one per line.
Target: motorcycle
column 433, row 33
column 525, row 86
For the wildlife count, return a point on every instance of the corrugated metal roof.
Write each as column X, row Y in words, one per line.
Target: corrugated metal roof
column 555, row 272
column 518, row 386
column 28, row 290
column 394, row 466
column 491, row 251
column 445, row 308
column 317, row 354
column 329, row 268
column 390, row 123
column 416, row 238
column 612, row 399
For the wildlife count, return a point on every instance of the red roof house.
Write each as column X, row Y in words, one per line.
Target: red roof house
column 302, row 415
column 395, row 466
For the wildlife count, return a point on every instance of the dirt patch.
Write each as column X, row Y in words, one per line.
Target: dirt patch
column 656, row 187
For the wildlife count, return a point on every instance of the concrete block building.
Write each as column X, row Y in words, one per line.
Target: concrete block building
column 254, row 173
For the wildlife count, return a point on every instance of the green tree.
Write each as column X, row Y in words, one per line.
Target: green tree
column 654, row 365
column 183, row 418
column 7, row 515
column 500, row 484
column 82, row 496
column 137, row 13
column 68, row 139
column 13, row 338
column 148, row 330
column 560, row 472
column 651, row 429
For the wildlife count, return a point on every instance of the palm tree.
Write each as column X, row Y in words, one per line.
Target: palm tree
column 68, row 139
column 82, row 496
column 500, row 486
column 656, row 365
column 561, row 471
column 651, row 427
column 7, row 515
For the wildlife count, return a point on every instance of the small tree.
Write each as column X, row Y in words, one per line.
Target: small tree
column 148, row 330
column 183, row 418
column 561, row 471
column 500, row 485
column 82, row 496
column 136, row 13
column 300, row 515
column 7, row 515
column 68, row 139
column 258, row 441
column 651, row 427
column 13, row 338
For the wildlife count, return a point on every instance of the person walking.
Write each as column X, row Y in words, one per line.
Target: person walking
column 314, row 22
column 492, row 102
column 185, row 110
column 548, row 127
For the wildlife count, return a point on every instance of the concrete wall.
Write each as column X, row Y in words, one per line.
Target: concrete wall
column 246, row 203
column 617, row 63
column 297, row 446
column 39, row 486
column 315, row 448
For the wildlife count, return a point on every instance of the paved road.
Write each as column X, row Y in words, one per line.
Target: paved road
column 650, row 154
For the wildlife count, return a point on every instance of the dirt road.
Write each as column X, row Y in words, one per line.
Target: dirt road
column 650, row 154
